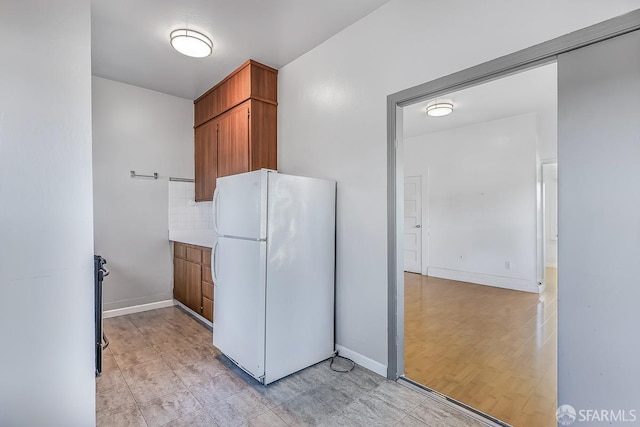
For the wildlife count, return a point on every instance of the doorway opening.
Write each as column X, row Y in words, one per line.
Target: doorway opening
column 585, row 56
column 480, row 311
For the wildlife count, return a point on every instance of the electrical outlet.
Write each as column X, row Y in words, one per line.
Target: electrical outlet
column 507, row 265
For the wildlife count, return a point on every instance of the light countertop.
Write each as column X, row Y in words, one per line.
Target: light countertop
column 204, row 238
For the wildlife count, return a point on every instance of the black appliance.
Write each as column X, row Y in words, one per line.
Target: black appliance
column 99, row 273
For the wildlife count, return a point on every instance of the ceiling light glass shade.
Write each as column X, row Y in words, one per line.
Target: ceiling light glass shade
column 191, row 43
column 440, row 109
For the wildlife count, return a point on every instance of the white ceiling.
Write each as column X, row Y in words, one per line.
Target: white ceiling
column 130, row 39
column 533, row 90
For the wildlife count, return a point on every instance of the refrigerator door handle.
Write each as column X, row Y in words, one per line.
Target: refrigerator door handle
column 214, row 274
column 216, row 210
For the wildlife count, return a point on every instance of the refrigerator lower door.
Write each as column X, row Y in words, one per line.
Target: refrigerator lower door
column 239, row 302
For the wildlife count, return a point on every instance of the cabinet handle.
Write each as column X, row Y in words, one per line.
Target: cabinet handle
column 216, row 198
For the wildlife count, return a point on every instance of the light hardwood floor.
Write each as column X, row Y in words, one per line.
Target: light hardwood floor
column 490, row 348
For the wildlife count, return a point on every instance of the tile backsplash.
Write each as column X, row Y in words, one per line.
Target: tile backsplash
column 184, row 212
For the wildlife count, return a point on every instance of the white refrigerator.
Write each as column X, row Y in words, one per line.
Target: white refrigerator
column 273, row 265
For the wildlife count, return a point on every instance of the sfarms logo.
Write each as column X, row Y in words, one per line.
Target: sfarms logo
column 567, row 415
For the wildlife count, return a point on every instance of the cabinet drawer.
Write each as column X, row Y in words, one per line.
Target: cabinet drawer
column 194, row 255
column 179, row 250
column 207, row 290
column 207, row 309
column 206, row 274
column 206, row 259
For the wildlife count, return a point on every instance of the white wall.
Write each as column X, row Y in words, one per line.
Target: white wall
column 548, row 132
column 479, row 203
column 46, row 250
column 146, row 131
column 332, row 119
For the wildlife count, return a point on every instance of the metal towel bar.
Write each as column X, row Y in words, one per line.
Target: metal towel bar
column 135, row 175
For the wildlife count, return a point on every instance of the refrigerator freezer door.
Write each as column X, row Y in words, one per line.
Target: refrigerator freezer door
column 300, row 279
column 240, row 205
column 239, row 301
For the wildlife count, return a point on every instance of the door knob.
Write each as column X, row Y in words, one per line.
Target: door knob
column 418, row 226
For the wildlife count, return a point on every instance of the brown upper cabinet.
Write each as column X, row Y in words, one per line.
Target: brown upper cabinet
column 206, row 159
column 235, row 126
column 233, row 140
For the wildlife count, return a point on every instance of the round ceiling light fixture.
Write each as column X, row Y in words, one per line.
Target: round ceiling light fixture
column 191, row 43
column 439, row 109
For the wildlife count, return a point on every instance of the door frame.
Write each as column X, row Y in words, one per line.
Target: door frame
column 500, row 67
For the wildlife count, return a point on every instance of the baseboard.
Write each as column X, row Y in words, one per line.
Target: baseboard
column 363, row 361
column 137, row 308
column 132, row 302
column 194, row 315
column 515, row 284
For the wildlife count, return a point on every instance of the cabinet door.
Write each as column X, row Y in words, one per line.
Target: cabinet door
column 263, row 136
column 180, row 268
column 187, row 283
column 207, row 309
column 206, row 160
column 200, row 111
column 233, row 141
column 193, row 288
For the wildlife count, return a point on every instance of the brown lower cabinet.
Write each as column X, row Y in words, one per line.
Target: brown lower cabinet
column 192, row 281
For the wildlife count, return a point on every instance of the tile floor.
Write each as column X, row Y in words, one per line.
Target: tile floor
column 161, row 369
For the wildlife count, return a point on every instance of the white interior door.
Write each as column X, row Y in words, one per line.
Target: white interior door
column 412, row 224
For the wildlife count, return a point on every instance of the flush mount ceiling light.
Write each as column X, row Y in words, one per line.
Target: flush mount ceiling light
column 439, row 109
column 191, row 43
